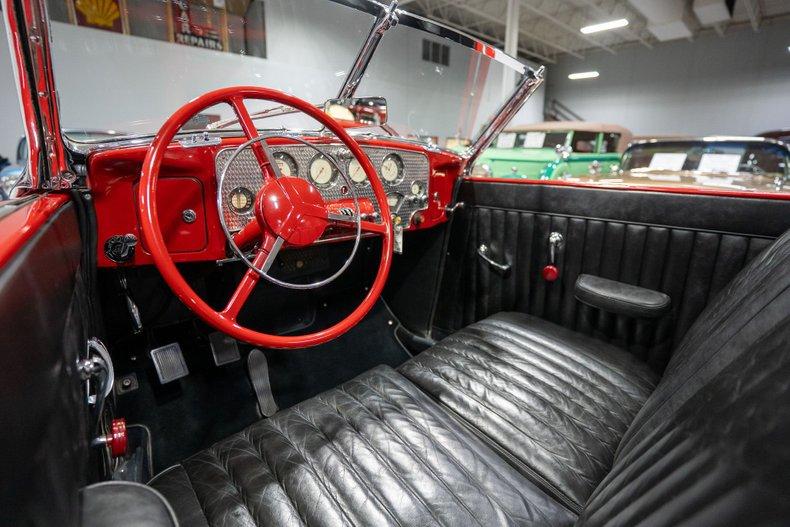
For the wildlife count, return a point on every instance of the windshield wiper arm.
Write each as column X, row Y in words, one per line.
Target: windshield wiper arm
column 386, row 20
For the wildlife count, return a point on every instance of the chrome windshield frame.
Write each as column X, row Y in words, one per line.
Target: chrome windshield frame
column 28, row 18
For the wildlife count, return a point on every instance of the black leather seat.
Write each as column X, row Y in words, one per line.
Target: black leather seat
column 557, row 401
column 710, row 445
column 374, row 451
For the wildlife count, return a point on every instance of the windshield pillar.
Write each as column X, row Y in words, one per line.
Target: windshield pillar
column 530, row 82
column 28, row 36
column 387, row 19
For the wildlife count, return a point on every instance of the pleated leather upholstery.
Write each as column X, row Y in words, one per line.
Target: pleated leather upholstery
column 711, row 446
column 554, row 400
column 375, row 451
column 691, row 266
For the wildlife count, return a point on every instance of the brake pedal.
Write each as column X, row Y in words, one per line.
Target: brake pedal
column 258, row 368
column 169, row 363
column 225, row 349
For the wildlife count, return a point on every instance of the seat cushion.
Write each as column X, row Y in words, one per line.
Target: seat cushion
column 555, row 402
column 374, row 451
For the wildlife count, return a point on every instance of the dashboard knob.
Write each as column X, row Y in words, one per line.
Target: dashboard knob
column 120, row 247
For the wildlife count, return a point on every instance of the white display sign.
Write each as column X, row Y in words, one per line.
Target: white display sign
column 726, row 163
column 506, row 140
column 667, row 161
column 534, row 139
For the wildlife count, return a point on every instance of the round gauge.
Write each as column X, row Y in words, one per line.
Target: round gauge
column 241, row 200
column 392, row 169
column 417, row 188
column 322, row 171
column 393, row 200
column 286, row 164
column 356, row 172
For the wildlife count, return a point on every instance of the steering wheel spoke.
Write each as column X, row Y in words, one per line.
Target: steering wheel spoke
column 259, row 148
column 290, row 224
column 250, row 233
column 263, row 260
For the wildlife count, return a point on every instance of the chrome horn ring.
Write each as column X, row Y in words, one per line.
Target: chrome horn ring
column 238, row 252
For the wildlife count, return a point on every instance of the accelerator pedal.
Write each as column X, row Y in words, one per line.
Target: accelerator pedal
column 224, row 348
column 169, row 363
column 259, row 376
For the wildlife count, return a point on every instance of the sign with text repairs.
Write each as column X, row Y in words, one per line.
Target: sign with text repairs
column 190, row 29
column 667, row 161
column 726, row 163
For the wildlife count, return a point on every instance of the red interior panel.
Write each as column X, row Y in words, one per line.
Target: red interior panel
column 188, row 180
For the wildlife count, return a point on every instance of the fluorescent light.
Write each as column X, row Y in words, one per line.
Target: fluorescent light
column 583, row 75
column 604, row 26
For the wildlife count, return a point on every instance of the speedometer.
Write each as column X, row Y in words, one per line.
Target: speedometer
column 356, row 172
column 392, row 169
column 286, row 164
column 322, row 171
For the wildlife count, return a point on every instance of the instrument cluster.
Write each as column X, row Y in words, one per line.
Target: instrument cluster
column 404, row 174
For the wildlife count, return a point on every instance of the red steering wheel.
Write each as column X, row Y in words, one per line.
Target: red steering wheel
column 289, row 211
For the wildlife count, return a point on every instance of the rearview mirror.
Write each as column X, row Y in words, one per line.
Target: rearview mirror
column 367, row 111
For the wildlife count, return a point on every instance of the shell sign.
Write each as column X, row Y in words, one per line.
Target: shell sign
column 101, row 14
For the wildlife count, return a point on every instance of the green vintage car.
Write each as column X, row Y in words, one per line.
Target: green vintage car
column 554, row 150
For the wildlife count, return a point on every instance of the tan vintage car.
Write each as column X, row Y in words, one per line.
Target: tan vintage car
column 731, row 163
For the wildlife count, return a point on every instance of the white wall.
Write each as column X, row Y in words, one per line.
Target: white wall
column 739, row 84
column 110, row 81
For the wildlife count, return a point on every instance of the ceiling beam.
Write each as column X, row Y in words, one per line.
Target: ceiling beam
column 499, row 21
column 559, row 23
column 754, row 12
column 491, row 38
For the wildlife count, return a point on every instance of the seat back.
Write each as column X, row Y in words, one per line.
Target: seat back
column 712, row 443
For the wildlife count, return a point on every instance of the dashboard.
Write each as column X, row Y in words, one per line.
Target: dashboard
column 334, row 172
column 418, row 179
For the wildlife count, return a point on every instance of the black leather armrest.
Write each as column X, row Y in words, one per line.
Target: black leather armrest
column 118, row 503
column 619, row 298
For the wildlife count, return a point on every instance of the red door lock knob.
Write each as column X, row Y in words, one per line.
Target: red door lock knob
column 550, row 273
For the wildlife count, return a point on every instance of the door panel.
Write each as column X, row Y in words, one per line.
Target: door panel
column 42, row 315
column 697, row 245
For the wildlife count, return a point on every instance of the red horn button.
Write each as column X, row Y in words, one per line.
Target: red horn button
column 293, row 209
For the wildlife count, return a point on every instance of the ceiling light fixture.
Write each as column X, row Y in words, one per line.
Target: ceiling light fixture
column 604, row 26
column 583, row 75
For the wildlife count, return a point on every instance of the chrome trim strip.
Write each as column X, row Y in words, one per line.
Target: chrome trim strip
column 386, row 20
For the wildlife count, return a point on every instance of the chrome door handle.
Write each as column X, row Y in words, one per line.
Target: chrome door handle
column 483, row 252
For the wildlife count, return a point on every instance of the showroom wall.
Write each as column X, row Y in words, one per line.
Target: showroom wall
column 112, row 81
column 739, row 84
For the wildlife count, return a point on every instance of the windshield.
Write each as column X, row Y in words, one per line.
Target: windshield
column 716, row 157
column 143, row 59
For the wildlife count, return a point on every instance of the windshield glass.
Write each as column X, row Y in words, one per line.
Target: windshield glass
column 717, row 157
column 139, row 64
column 143, row 59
